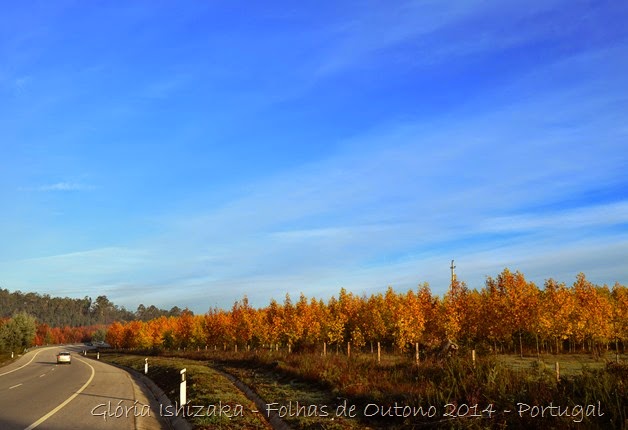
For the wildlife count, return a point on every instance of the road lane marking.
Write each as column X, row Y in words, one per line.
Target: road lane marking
column 68, row 400
column 18, row 368
column 15, row 386
column 42, row 375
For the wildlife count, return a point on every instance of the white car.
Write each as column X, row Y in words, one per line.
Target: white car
column 64, row 357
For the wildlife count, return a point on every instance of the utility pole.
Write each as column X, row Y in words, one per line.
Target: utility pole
column 453, row 272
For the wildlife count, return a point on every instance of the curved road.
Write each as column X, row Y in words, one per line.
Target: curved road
column 36, row 392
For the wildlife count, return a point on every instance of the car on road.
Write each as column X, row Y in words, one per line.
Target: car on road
column 64, row 357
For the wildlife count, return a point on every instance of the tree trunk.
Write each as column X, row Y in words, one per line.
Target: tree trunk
column 520, row 345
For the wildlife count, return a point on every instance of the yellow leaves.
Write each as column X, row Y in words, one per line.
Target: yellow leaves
column 454, row 309
column 507, row 306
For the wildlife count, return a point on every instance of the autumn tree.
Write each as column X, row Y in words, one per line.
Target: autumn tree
column 243, row 321
column 310, row 319
column 454, row 309
column 429, row 304
column 392, row 305
column 349, row 307
column 334, row 323
column 619, row 297
column 593, row 313
column 115, row 334
column 273, row 318
column 371, row 319
column 131, row 334
column 494, row 313
column 556, row 308
column 522, row 298
column 42, row 335
column 292, row 325
column 183, row 329
column 472, row 318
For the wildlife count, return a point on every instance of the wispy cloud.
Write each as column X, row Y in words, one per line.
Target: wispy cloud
column 62, row 186
column 165, row 87
column 392, row 207
column 22, row 82
column 436, row 31
column 599, row 215
column 412, row 133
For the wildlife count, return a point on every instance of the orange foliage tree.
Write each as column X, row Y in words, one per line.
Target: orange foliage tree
column 509, row 312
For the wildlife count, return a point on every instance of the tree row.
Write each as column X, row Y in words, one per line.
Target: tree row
column 62, row 312
column 508, row 314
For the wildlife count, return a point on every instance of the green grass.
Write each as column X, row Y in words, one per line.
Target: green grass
column 569, row 364
column 205, row 387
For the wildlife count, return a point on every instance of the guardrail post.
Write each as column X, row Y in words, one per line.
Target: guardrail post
column 146, row 366
column 182, row 396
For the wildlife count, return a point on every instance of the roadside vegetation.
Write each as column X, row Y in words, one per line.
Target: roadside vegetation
column 400, row 359
column 453, row 392
column 17, row 333
column 224, row 406
column 404, row 359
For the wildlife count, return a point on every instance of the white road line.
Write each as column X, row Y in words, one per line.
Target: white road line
column 18, row 368
column 15, row 386
column 42, row 375
column 68, row 400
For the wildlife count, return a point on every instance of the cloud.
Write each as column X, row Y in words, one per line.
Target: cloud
column 63, row 186
column 166, row 87
column 75, row 273
column 22, row 82
column 434, row 31
column 392, row 206
column 611, row 214
column 525, row 172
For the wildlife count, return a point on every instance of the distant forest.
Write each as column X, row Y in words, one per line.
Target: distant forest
column 68, row 312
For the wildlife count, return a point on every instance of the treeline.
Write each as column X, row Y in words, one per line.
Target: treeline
column 508, row 314
column 46, row 335
column 62, row 312
column 22, row 331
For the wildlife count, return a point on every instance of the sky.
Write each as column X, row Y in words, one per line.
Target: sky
column 189, row 153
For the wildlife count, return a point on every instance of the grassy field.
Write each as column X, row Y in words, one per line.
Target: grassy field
column 334, row 392
column 224, row 406
column 569, row 364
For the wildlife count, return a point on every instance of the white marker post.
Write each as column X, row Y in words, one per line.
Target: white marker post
column 98, row 355
column 146, row 366
column 182, row 397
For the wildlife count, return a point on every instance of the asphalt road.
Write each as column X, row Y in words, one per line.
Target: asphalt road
column 36, row 392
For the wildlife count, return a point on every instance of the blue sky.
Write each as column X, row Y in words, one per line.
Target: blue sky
column 188, row 153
